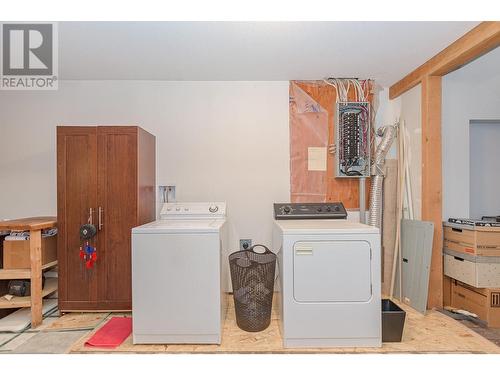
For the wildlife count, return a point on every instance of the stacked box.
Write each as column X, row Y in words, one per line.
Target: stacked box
column 485, row 302
column 472, row 254
column 16, row 254
column 472, row 239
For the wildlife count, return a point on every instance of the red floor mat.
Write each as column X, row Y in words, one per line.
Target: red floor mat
column 112, row 334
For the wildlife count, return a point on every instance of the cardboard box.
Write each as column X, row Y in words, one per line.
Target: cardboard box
column 477, row 241
column 16, row 254
column 478, row 271
column 485, row 302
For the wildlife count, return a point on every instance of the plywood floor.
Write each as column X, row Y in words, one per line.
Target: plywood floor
column 432, row 333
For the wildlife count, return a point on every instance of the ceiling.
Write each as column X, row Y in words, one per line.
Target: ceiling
column 226, row 51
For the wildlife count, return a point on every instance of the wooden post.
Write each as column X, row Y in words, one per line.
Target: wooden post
column 36, row 277
column 432, row 181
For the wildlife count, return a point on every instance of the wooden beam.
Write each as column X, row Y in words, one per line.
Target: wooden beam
column 36, row 277
column 480, row 40
column 432, row 181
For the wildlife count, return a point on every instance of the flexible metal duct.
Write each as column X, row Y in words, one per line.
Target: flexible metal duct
column 387, row 133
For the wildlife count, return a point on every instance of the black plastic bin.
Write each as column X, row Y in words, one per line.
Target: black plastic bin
column 252, row 277
column 393, row 321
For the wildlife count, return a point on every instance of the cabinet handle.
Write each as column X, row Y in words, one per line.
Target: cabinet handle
column 303, row 250
column 91, row 216
column 100, row 211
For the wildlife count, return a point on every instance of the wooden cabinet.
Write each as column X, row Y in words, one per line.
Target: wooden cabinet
column 107, row 173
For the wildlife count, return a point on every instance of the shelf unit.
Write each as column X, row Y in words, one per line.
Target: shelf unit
column 22, row 273
column 18, row 302
column 34, row 225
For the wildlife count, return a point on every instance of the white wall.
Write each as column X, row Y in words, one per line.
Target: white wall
column 484, row 177
column 388, row 113
column 470, row 93
column 223, row 141
column 215, row 141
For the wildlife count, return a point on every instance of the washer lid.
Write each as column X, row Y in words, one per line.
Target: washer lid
column 181, row 226
column 324, row 227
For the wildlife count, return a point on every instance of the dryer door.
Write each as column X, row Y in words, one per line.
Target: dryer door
column 332, row 271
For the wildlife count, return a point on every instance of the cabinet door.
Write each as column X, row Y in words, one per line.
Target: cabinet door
column 76, row 196
column 117, row 197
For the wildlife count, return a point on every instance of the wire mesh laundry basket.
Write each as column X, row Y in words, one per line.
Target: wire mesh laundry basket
column 252, row 277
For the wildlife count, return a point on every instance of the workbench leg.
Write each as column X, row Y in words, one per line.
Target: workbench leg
column 36, row 277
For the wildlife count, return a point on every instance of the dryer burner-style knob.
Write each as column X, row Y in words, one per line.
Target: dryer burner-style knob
column 213, row 209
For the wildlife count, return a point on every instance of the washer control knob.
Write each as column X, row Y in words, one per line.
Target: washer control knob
column 328, row 208
column 213, row 209
column 319, row 209
column 336, row 208
column 287, row 209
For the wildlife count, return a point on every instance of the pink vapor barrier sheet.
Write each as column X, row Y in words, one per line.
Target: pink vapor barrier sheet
column 308, row 132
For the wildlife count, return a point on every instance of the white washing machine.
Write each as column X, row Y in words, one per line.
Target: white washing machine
column 177, row 275
column 329, row 277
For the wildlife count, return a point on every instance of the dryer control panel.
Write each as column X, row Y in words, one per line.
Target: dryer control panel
column 301, row 211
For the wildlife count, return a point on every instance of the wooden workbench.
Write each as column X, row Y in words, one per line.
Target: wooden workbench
column 34, row 225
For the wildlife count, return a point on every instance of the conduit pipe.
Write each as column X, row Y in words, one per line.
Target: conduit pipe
column 388, row 134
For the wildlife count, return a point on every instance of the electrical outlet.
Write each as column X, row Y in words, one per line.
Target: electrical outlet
column 171, row 193
column 245, row 244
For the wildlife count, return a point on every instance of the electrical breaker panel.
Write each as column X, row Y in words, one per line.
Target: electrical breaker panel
column 353, row 139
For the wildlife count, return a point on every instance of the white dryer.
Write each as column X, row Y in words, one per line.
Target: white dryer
column 176, row 275
column 329, row 277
